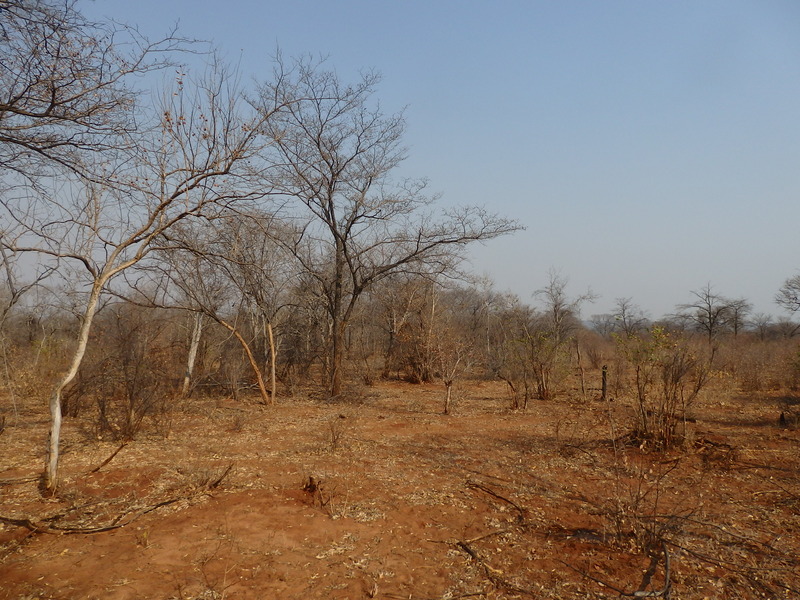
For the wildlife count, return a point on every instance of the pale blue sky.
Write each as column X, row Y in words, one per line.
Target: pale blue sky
column 649, row 147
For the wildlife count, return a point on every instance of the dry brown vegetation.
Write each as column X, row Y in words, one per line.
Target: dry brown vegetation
column 381, row 496
column 253, row 364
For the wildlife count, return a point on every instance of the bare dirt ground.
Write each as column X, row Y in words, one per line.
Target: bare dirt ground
column 385, row 497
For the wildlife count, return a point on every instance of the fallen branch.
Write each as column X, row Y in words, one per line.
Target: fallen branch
column 109, row 459
column 215, row 484
column 488, row 535
column 15, row 480
column 593, row 578
column 404, row 597
column 586, row 452
column 662, row 593
column 494, row 575
column 491, row 492
column 752, row 574
column 751, row 465
column 118, row 523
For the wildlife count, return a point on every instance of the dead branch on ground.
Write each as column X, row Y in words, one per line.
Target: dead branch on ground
column 662, row 593
column 491, row 492
column 494, row 575
column 110, row 458
column 118, row 523
column 126, row 518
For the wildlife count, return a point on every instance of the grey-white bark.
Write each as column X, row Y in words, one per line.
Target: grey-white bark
column 194, row 346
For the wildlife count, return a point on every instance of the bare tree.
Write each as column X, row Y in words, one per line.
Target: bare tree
column 788, row 297
column 65, row 86
column 13, row 289
column 549, row 334
column 709, row 313
column 630, row 319
column 414, row 351
column 199, row 156
column 453, row 354
column 397, row 299
column 355, row 226
column 235, row 257
column 786, row 327
column 64, row 97
column 604, row 324
column 561, row 313
column 626, row 320
column 739, row 309
column 762, row 323
column 65, row 103
column 260, row 269
column 511, row 359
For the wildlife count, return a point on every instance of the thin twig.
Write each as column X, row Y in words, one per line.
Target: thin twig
column 488, row 535
column 662, row 593
column 215, row 484
column 492, row 573
column 491, row 492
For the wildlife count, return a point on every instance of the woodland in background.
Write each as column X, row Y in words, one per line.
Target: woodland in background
column 141, row 360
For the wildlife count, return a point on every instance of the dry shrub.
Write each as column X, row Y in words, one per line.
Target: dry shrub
column 761, row 365
column 128, row 373
column 636, row 513
column 336, row 433
column 33, row 354
column 669, row 372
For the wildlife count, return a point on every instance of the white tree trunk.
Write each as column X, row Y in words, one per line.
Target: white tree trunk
column 194, row 345
column 53, row 446
column 272, row 360
column 449, row 387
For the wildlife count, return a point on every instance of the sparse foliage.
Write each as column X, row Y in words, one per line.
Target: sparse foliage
column 669, row 373
column 711, row 313
column 788, row 296
column 550, row 333
column 629, row 317
column 66, row 87
column 356, row 226
column 197, row 157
